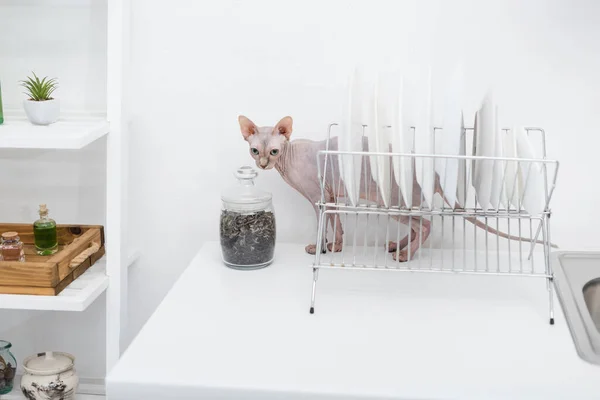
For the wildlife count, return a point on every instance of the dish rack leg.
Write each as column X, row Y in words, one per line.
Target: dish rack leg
column 314, row 290
column 549, row 281
column 551, row 300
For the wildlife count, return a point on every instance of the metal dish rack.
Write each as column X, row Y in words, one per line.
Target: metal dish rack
column 455, row 243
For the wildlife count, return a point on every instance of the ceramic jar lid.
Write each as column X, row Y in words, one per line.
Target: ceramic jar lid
column 49, row 363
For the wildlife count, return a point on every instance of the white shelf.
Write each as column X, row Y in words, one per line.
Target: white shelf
column 68, row 134
column 76, row 297
column 17, row 395
column 86, row 391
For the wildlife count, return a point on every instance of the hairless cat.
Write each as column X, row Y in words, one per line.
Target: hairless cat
column 296, row 162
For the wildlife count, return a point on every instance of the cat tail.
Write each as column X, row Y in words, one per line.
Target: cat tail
column 488, row 228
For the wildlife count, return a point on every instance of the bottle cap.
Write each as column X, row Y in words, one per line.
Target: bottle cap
column 43, row 209
column 9, row 235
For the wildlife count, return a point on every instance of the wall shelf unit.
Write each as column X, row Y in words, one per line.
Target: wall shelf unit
column 74, row 132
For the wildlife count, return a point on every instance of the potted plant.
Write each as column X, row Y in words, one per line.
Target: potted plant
column 41, row 108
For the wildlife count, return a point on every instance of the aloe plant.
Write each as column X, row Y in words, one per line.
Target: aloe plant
column 39, row 90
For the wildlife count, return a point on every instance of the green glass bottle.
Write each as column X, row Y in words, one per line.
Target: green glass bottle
column 44, row 233
column 1, row 112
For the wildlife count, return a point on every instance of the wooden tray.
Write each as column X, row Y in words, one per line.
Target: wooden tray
column 79, row 247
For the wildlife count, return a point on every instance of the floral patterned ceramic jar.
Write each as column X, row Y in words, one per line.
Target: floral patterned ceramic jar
column 49, row 376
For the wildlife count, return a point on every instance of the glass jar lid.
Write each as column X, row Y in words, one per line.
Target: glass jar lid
column 245, row 197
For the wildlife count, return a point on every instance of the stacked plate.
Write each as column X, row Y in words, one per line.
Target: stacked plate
column 398, row 115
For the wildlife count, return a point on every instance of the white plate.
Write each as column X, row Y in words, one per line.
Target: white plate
column 512, row 180
column 497, row 193
column 532, row 192
column 450, row 138
column 485, row 129
column 379, row 142
column 351, row 137
column 424, row 166
column 463, row 177
column 473, row 163
column 401, row 138
column 373, row 132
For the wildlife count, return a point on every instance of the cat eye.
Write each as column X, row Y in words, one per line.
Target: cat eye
column 274, row 152
column 254, row 151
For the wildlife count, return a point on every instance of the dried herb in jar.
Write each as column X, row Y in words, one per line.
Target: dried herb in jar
column 7, row 376
column 247, row 239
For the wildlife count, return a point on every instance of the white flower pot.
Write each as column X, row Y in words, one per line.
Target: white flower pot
column 49, row 376
column 42, row 112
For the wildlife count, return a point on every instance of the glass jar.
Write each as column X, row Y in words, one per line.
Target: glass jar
column 11, row 247
column 247, row 224
column 8, row 367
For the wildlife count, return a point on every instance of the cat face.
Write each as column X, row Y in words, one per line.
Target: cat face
column 265, row 143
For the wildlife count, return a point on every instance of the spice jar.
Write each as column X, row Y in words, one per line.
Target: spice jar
column 247, row 224
column 11, row 247
column 8, row 367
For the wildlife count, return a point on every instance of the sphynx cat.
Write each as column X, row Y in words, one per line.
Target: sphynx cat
column 296, row 162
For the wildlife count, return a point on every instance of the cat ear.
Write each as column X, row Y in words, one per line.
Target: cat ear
column 247, row 127
column 284, row 127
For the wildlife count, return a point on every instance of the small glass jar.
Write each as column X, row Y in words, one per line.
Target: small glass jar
column 11, row 247
column 8, row 367
column 44, row 233
column 248, row 229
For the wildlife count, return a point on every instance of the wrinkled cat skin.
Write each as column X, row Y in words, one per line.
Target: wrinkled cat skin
column 296, row 162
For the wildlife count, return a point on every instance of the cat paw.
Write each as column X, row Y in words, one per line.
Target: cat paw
column 335, row 248
column 312, row 249
column 392, row 247
column 402, row 256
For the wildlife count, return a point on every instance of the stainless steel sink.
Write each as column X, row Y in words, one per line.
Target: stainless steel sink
column 591, row 296
column 577, row 282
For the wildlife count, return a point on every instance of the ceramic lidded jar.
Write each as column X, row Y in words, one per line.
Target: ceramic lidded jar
column 49, row 376
column 247, row 224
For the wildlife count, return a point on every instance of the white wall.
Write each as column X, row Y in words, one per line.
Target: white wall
column 197, row 65
column 65, row 39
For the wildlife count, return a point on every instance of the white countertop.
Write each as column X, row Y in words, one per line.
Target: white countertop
column 227, row 334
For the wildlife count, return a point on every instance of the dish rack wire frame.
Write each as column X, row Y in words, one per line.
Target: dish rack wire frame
column 337, row 209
